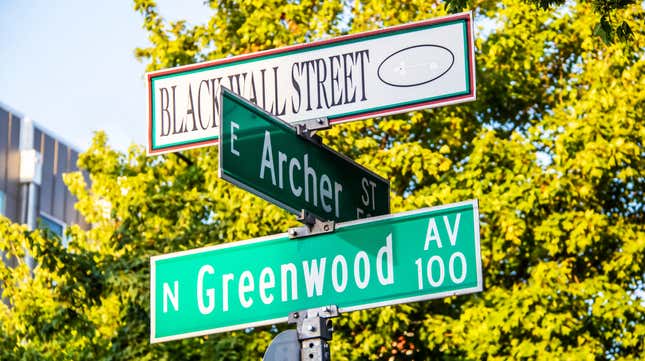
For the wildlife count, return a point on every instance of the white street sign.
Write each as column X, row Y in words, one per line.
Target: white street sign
column 393, row 70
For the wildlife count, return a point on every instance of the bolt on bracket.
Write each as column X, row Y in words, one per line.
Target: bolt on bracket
column 312, row 226
column 307, row 128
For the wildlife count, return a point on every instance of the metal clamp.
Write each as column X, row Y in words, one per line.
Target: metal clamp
column 311, row 125
column 312, row 226
column 307, row 128
column 314, row 329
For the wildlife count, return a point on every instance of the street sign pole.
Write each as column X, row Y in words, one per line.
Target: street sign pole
column 266, row 148
column 284, row 347
column 313, row 330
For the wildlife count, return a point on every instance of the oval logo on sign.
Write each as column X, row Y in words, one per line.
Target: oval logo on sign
column 415, row 65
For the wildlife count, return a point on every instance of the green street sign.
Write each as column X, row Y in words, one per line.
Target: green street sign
column 406, row 257
column 265, row 156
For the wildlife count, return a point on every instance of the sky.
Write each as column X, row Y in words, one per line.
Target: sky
column 70, row 66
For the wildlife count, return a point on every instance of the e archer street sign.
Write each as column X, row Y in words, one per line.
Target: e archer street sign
column 265, row 156
column 375, row 73
column 407, row 257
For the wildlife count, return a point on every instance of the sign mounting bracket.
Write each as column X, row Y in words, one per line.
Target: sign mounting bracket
column 308, row 128
column 312, row 226
column 314, row 329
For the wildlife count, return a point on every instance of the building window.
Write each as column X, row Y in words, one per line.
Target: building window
column 54, row 225
column 2, row 203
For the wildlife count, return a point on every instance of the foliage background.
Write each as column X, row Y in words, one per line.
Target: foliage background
column 552, row 149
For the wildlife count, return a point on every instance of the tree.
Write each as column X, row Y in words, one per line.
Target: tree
column 552, row 148
column 612, row 17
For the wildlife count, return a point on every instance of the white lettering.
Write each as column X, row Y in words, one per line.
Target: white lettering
column 310, row 172
column 267, row 281
column 210, row 293
column 282, row 158
column 432, row 235
column 314, row 276
column 385, row 251
column 226, row 278
column 337, row 189
column 168, row 294
column 419, row 264
column 233, row 137
column 284, row 269
column 365, row 197
column 294, row 163
column 361, row 283
column 267, row 157
column 452, row 232
column 339, row 286
column 325, row 192
column 451, row 267
column 245, row 286
column 432, row 281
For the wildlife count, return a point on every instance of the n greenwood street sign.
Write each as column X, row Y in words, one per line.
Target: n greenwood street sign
column 407, row 257
column 265, row 156
column 387, row 71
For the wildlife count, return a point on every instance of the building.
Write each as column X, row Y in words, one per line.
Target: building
column 32, row 164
